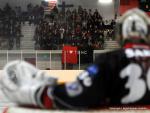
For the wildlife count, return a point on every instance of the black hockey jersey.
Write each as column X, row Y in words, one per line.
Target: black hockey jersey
column 120, row 77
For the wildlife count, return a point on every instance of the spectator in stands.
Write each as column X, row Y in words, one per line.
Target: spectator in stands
column 30, row 13
column 55, row 9
column 41, row 12
column 68, row 17
column 80, row 10
column 62, row 32
column 7, row 9
column 18, row 12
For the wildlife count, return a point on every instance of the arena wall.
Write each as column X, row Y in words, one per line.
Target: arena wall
column 64, row 75
column 107, row 11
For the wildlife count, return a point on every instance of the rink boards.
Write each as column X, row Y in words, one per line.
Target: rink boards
column 63, row 75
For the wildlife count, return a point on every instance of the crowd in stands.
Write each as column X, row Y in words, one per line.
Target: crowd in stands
column 79, row 27
column 11, row 20
column 10, row 26
column 34, row 13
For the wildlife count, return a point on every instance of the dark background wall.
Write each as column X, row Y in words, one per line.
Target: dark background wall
column 129, row 4
column 107, row 11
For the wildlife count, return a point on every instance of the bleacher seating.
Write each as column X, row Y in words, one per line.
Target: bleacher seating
column 27, row 41
column 111, row 44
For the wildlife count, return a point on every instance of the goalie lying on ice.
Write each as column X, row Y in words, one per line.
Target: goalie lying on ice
column 120, row 77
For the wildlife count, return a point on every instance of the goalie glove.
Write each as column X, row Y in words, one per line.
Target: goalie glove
column 24, row 84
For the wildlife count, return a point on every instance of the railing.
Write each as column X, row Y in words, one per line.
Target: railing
column 44, row 59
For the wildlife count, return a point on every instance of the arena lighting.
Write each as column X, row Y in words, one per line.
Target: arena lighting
column 105, row 1
column 50, row 0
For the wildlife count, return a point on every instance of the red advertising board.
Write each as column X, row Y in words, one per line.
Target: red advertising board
column 69, row 55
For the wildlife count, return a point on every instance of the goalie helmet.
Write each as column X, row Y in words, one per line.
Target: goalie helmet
column 22, row 83
column 13, row 73
column 133, row 26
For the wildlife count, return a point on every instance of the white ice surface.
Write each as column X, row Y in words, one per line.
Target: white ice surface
column 4, row 102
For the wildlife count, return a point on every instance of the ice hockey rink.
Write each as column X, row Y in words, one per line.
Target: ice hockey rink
column 25, row 38
column 4, row 102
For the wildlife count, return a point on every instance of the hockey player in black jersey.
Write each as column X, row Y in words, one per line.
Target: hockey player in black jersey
column 120, row 77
